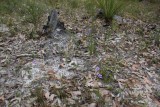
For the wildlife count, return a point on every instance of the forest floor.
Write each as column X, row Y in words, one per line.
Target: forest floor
column 88, row 65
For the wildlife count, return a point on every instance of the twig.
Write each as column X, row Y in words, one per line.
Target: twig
column 26, row 55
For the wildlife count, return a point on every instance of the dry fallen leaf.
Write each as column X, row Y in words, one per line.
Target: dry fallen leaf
column 1, row 98
column 76, row 93
column 155, row 100
column 51, row 72
column 106, row 95
column 104, row 92
column 61, row 65
column 146, row 80
column 49, row 97
column 92, row 105
column 57, row 102
column 135, row 67
column 122, row 80
column 71, row 101
column 91, row 83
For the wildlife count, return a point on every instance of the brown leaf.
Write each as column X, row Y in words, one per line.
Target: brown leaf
column 146, row 80
column 91, row 83
column 104, row 92
column 92, row 105
column 71, row 101
column 155, row 100
column 76, row 93
column 1, row 98
column 61, row 65
column 122, row 80
column 135, row 67
column 52, row 97
column 47, row 95
column 50, row 72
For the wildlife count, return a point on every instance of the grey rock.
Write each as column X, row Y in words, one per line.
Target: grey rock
column 119, row 19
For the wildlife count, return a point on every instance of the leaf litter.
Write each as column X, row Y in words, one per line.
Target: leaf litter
column 59, row 72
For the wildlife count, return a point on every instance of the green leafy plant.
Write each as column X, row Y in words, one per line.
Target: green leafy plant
column 106, row 69
column 109, row 8
column 105, row 74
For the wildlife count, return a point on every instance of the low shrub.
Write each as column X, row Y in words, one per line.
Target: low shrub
column 31, row 10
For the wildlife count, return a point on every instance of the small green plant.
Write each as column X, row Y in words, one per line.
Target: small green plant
column 156, row 37
column 106, row 69
column 105, row 74
column 92, row 45
column 33, row 35
column 62, row 93
column 39, row 94
column 100, row 100
column 109, row 8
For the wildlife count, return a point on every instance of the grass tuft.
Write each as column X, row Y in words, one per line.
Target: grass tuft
column 40, row 99
column 92, row 45
column 109, row 8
